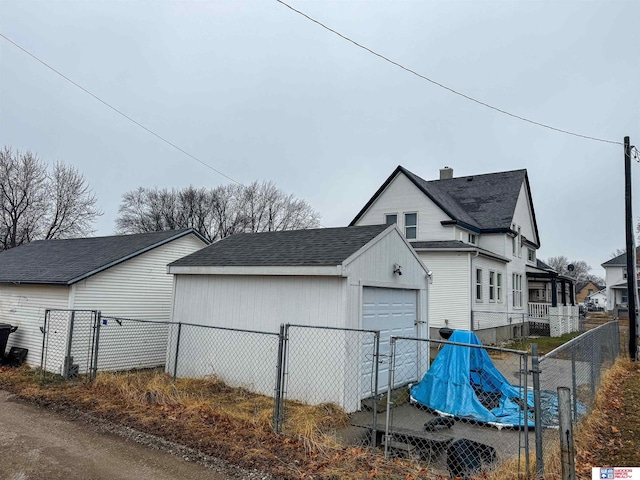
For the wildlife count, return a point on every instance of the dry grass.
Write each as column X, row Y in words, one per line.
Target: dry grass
column 229, row 423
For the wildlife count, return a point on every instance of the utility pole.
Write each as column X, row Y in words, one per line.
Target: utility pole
column 632, row 292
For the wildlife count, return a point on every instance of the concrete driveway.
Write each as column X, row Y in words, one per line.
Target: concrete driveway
column 36, row 443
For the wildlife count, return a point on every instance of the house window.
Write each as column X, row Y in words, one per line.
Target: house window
column 391, row 218
column 514, row 242
column 531, row 255
column 473, row 238
column 624, row 272
column 410, row 225
column 478, row 284
column 517, row 290
column 492, row 286
column 519, row 243
column 499, row 287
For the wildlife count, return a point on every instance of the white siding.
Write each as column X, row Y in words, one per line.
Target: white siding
column 498, row 243
column 523, row 216
column 375, row 268
column 24, row 306
column 259, row 302
column 450, row 293
column 401, row 196
column 138, row 288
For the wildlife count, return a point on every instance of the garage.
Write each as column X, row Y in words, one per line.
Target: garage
column 392, row 311
column 361, row 278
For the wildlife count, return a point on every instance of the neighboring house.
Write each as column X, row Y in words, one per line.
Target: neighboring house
column 616, row 281
column 586, row 289
column 597, row 300
column 123, row 275
column 351, row 277
column 479, row 236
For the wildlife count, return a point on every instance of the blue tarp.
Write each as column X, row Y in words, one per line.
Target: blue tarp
column 463, row 382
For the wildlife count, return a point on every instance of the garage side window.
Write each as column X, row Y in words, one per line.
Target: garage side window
column 411, row 225
column 478, row 284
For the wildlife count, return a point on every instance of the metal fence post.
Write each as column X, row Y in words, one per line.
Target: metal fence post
column 96, row 334
column 574, row 384
column 175, row 361
column 376, row 369
column 278, row 390
column 43, row 359
column 537, row 408
column 567, row 451
column 67, row 356
column 392, row 357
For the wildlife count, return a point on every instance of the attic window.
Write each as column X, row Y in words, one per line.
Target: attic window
column 473, row 239
column 391, row 218
column 411, row 225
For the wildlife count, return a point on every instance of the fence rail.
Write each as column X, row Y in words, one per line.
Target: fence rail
column 374, row 379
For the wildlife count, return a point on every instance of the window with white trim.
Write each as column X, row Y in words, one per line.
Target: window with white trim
column 517, row 290
column 519, row 243
column 499, row 287
column 624, row 272
column 411, row 225
column 478, row 284
column 514, row 241
column 473, row 239
column 492, row 286
column 531, row 255
column 391, row 218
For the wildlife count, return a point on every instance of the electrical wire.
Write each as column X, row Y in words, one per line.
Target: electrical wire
column 119, row 112
column 456, row 92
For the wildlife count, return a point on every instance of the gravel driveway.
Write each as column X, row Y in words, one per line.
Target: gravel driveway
column 36, row 443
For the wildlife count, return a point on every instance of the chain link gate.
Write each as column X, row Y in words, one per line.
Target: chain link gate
column 329, row 365
column 70, row 341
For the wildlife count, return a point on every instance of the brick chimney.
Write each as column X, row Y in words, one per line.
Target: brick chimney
column 446, row 173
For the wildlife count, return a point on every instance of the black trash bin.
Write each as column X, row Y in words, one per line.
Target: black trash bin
column 5, row 330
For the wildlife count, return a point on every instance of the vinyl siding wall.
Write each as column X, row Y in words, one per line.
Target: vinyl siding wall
column 24, row 306
column 139, row 288
column 450, row 293
column 402, row 196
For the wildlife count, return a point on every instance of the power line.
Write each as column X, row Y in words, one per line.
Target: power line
column 148, row 130
column 456, row 92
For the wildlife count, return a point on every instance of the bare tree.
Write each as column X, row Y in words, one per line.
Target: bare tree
column 215, row 213
column 617, row 252
column 36, row 204
column 580, row 270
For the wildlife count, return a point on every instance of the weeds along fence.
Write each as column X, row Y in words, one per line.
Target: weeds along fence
column 378, row 380
column 579, row 365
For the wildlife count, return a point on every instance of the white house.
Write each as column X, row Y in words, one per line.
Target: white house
column 479, row 236
column 122, row 275
column 616, row 283
column 351, row 277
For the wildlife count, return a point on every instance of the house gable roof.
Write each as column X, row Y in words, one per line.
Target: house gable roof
column 312, row 247
column 620, row 260
column 65, row 262
column 482, row 203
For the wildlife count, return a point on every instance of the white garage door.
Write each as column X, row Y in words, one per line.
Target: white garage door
column 393, row 312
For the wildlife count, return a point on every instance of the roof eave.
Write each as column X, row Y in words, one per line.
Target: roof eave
column 259, row 270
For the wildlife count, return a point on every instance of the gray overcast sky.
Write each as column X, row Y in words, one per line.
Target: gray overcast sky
column 258, row 92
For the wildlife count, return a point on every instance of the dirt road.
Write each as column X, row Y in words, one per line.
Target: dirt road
column 39, row 444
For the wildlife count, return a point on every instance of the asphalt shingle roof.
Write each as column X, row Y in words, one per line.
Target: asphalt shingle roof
column 483, row 202
column 620, row 260
column 61, row 262
column 313, row 247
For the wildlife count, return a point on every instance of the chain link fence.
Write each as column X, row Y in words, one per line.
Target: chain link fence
column 240, row 358
column 462, row 410
column 69, row 344
column 324, row 365
column 579, row 365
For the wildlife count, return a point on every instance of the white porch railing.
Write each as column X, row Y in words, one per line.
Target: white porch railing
column 539, row 310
